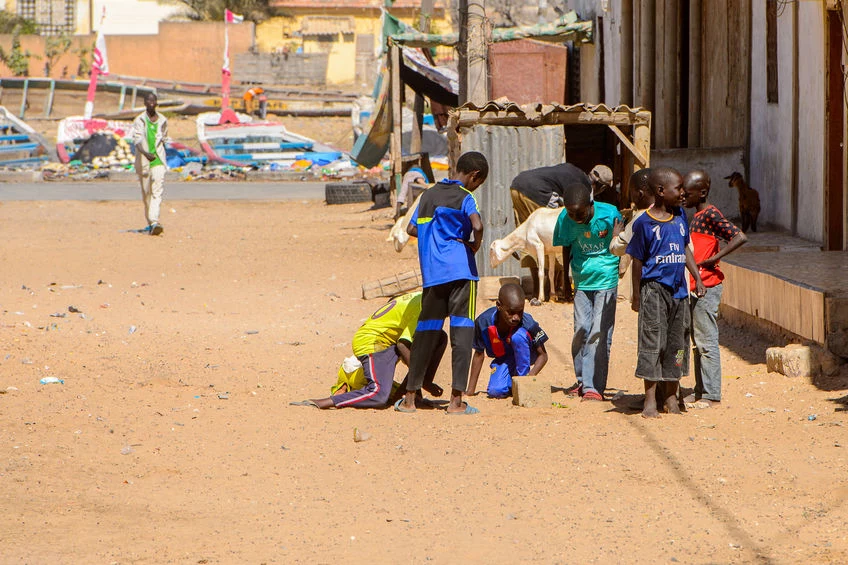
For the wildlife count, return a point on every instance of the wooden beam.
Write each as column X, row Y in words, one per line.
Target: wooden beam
column 396, row 153
column 630, row 147
column 418, row 107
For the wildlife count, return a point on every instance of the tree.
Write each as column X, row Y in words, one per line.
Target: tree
column 54, row 47
column 8, row 22
column 213, row 10
column 17, row 59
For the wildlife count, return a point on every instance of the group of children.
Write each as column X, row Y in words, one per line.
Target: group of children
column 657, row 241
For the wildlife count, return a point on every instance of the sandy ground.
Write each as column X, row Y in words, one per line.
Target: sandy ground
column 172, row 440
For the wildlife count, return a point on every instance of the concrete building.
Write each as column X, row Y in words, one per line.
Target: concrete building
column 81, row 17
column 348, row 30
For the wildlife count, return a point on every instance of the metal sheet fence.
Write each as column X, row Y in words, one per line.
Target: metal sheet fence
column 509, row 151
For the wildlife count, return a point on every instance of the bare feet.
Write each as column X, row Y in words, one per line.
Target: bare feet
column 650, row 412
column 650, row 408
column 671, row 405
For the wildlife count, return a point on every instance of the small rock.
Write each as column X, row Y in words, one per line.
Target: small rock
column 126, row 450
column 74, row 310
column 57, row 315
column 251, row 332
column 812, row 417
column 132, row 330
column 224, row 395
column 359, row 435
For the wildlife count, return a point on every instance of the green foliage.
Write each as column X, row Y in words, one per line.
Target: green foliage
column 8, row 22
column 213, row 10
column 16, row 59
column 84, row 52
column 54, row 47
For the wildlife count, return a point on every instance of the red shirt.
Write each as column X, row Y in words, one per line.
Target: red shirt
column 708, row 227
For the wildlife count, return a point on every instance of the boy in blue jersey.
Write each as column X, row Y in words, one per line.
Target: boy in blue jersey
column 661, row 255
column 584, row 230
column 444, row 222
column 514, row 339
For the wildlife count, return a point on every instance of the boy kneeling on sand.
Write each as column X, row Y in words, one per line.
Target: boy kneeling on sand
column 512, row 338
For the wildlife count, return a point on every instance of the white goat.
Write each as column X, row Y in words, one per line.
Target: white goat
column 398, row 233
column 534, row 237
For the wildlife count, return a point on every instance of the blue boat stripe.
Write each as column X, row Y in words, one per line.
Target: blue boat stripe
column 461, row 322
column 429, row 325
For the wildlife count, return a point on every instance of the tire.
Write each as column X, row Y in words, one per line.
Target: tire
column 347, row 192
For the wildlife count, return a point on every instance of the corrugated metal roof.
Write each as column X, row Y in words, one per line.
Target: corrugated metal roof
column 327, row 25
column 541, row 114
column 539, row 147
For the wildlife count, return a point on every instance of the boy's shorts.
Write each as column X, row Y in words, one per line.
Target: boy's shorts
column 662, row 321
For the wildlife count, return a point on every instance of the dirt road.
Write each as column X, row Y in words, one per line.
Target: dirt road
column 172, row 440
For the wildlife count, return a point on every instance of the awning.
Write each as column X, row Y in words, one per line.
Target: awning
column 327, row 25
column 567, row 28
column 440, row 84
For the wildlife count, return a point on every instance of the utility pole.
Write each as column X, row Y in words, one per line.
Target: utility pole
column 474, row 31
column 418, row 122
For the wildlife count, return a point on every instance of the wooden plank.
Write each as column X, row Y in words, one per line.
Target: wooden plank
column 630, row 147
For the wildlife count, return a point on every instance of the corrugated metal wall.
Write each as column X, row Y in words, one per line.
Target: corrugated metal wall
column 509, row 151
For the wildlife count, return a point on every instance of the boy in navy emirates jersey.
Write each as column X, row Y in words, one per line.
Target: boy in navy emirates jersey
column 661, row 256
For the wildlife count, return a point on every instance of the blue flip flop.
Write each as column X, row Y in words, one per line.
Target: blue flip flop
column 467, row 412
column 399, row 408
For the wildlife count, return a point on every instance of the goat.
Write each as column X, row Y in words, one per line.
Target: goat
column 398, row 233
column 534, row 237
column 749, row 201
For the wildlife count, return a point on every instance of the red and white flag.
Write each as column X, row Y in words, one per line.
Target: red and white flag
column 232, row 18
column 101, row 62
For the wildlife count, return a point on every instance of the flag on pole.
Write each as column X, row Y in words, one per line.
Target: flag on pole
column 232, row 18
column 101, row 62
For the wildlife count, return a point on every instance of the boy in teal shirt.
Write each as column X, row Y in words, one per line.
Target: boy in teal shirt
column 584, row 230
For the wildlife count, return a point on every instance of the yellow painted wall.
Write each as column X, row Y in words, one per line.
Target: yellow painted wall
column 279, row 32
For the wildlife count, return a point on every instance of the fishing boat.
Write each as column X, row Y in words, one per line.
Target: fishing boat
column 20, row 145
column 238, row 139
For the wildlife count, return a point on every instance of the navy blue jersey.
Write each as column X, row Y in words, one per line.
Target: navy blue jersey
column 661, row 246
column 488, row 340
column 443, row 218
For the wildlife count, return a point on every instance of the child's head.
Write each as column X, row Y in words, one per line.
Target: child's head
column 667, row 186
column 578, row 203
column 150, row 101
column 510, row 304
column 640, row 193
column 696, row 185
column 472, row 168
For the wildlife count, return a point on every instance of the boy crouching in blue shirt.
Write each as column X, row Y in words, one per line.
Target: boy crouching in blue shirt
column 661, row 256
column 513, row 338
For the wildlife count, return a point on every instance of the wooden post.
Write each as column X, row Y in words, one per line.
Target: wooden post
column 626, row 96
column 642, row 142
column 670, row 105
column 473, row 52
column 647, row 59
column 478, row 53
column 396, row 153
column 418, row 122
column 694, row 135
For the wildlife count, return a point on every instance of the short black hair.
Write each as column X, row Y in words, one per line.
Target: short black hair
column 640, row 177
column 511, row 292
column 577, row 194
column 473, row 161
column 660, row 176
column 149, row 94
